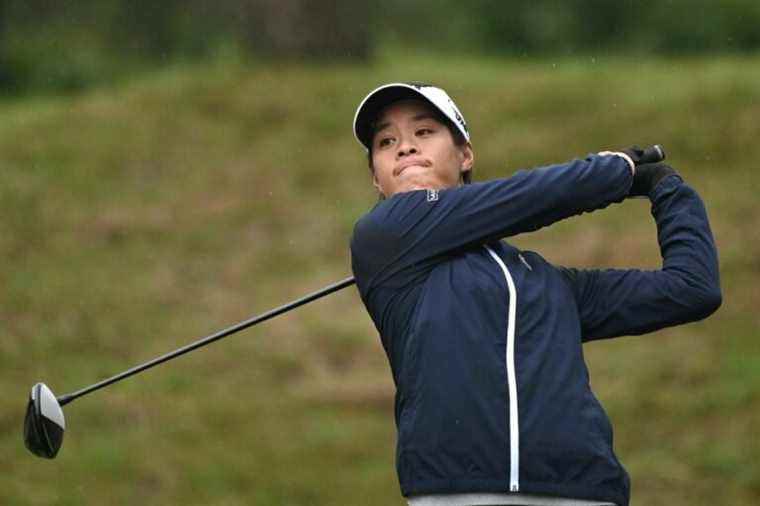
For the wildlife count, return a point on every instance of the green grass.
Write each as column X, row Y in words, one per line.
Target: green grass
column 137, row 218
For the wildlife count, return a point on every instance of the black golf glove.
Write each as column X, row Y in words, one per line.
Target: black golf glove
column 647, row 176
column 639, row 155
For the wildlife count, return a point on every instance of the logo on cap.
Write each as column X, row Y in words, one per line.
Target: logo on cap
column 458, row 116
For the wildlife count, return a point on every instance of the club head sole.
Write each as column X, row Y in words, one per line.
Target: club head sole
column 44, row 423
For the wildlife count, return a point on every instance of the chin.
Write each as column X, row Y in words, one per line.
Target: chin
column 411, row 187
column 417, row 183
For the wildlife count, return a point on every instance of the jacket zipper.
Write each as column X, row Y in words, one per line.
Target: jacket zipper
column 514, row 426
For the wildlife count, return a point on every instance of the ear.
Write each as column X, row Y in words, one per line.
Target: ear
column 468, row 158
column 376, row 183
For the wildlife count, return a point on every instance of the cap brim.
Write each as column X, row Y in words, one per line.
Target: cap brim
column 375, row 102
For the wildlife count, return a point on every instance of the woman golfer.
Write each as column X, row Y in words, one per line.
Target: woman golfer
column 493, row 403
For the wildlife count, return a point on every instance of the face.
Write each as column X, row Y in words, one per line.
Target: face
column 412, row 150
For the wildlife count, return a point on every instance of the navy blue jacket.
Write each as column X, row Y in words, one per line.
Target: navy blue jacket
column 485, row 341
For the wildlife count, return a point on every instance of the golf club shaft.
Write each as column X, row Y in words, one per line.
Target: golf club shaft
column 651, row 154
column 65, row 399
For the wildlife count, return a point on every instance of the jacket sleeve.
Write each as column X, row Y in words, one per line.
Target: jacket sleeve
column 412, row 231
column 615, row 302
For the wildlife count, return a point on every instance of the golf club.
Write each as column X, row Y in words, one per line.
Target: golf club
column 44, row 423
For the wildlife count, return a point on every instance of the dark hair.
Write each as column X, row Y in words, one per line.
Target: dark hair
column 459, row 140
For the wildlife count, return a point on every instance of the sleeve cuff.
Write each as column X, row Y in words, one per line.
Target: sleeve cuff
column 666, row 184
column 622, row 155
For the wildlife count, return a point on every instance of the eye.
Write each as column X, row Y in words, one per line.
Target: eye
column 384, row 142
column 424, row 131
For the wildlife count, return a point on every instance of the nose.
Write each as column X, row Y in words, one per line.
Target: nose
column 406, row 147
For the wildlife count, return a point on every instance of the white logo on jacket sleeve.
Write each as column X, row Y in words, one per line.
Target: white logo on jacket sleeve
column 432, row 195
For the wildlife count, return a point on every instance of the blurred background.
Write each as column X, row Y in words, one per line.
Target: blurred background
column 170, row 168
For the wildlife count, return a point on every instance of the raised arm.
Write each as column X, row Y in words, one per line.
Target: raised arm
column 627, row 302
column 413, row 230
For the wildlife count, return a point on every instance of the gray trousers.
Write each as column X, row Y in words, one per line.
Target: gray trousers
column 511, row 499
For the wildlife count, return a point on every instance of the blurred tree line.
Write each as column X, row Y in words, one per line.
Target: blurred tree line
column 543, row 27
column 65, row 45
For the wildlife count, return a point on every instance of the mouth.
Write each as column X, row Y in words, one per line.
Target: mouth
column 410, row 163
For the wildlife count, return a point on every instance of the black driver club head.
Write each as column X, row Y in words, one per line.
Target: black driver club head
column 44, row 423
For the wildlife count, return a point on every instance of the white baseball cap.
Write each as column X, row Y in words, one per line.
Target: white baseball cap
column 385, row 95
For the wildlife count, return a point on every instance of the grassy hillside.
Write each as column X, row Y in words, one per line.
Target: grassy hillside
column 138, row 218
